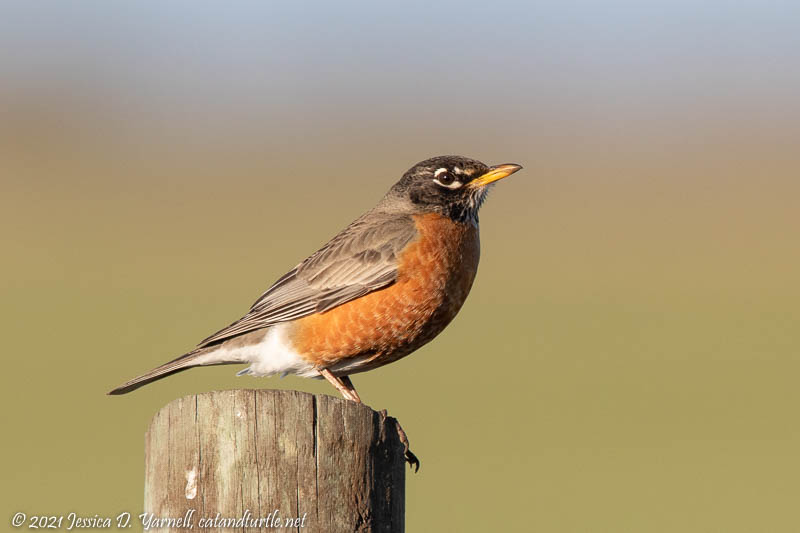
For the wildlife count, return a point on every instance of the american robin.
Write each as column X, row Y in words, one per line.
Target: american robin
column 384, row 286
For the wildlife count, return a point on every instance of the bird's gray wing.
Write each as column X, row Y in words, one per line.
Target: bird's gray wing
column 360, row 259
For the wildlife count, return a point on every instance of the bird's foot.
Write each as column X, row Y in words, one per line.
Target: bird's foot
column 411, row 459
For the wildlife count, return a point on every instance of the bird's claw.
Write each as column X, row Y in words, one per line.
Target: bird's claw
column 411, row 459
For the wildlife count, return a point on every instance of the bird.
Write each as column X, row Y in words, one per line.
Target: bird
column 380, row 289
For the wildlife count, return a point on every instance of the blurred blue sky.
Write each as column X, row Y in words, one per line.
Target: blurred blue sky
column 331, row 56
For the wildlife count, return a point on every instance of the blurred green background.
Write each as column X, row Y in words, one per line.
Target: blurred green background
column 629, row 356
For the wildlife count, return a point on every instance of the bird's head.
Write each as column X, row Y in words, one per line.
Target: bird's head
column 450, row 185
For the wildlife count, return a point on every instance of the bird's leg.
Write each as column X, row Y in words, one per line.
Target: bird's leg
column 344, row 387
column 349, row 384
column 411, row 459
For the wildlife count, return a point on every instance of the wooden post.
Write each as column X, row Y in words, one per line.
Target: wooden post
column 273, row 459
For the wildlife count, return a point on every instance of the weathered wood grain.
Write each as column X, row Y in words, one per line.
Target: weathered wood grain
column 333, row 464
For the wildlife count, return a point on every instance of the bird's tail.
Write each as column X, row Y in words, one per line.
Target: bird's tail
column 199, row 357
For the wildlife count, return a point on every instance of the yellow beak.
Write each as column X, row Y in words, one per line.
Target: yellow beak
column 495, row 173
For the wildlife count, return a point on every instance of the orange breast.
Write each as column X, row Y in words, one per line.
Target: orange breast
column 435, row 274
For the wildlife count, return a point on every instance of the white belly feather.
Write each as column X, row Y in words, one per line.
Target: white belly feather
column 269, row 352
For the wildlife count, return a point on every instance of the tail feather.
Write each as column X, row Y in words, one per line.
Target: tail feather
column 200, row 357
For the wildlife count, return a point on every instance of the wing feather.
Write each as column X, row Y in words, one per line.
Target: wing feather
column 360, row 259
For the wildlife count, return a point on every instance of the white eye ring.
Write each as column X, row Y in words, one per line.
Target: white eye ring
column 454, row 185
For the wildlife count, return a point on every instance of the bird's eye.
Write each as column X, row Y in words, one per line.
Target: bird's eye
column 444, row 179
